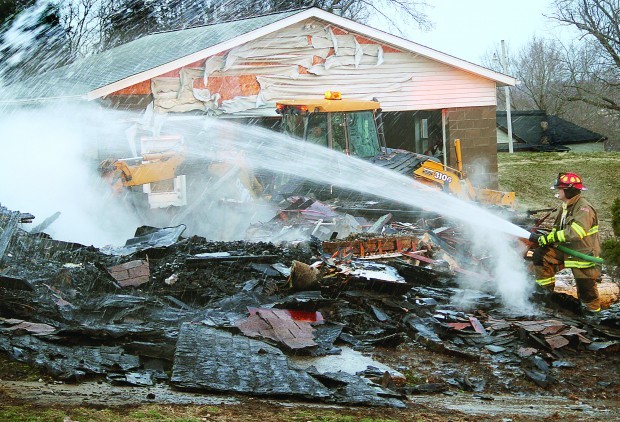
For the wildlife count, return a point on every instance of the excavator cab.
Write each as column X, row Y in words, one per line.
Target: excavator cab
column 347, row 126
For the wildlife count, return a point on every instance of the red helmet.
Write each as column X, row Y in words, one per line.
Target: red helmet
column 568, row 180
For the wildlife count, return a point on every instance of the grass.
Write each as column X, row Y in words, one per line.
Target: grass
column 412, row 378
column 144, row 414
column 151, row 413
column 530, row 176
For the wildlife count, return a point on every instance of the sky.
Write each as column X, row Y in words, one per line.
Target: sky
column 468, row 29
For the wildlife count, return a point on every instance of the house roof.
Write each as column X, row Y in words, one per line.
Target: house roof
column 153, row 55
column 528, row 131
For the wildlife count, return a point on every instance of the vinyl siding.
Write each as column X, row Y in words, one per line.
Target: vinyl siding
column 311, row 57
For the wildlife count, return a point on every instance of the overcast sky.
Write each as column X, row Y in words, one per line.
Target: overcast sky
column 468, row 29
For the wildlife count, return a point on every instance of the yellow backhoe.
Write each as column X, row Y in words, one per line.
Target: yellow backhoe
column 353, row 127
column 159, row 172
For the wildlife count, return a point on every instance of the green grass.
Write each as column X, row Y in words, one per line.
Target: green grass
column 152, row 413
column 11, row 370
column 147, row 413
column 412, row 378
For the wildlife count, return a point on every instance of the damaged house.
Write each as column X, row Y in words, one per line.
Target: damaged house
column 241, row 68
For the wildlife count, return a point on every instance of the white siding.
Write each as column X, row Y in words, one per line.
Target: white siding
column 400, row 80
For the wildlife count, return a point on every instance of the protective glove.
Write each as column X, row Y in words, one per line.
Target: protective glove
column 541, row 239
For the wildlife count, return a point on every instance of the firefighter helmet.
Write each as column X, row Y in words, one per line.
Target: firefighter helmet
column 568, row 180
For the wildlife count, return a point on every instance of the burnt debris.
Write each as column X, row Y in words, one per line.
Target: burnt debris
column 265, row 319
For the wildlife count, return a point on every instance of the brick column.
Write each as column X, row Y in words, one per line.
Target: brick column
column 476, row 128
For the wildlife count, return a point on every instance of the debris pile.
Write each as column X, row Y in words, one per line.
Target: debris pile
column 291, row 319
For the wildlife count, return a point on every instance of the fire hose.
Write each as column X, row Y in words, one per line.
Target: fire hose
column 576, row 254
column 579, row 254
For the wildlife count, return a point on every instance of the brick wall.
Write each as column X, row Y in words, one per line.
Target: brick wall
column 475, row 127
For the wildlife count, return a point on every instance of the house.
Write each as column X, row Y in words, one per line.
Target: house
column 241, row 68
column 535, row 130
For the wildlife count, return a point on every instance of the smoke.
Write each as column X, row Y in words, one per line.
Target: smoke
column 503, row 272
column 477, row 172
column 220, row 206
column 490, row 235
column 48, row 165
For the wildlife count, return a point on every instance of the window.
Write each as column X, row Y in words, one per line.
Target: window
column 424, row 128
column 317, row 129
column 363, row 138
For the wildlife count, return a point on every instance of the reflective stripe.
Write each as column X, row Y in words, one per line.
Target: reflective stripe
column 551, row 237
column 546, row 281
column 579, row 264
column 593, row 230
column 564, row 212
column 579, row 230
column 561, row 236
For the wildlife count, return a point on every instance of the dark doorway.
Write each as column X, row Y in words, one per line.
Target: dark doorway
column 417, row 131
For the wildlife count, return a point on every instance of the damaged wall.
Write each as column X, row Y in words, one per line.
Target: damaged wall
column 306, row 59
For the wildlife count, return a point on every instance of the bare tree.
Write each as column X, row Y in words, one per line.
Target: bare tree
column 81, row 20
column 392, row 11
column 124, row 20
column 547, row 72
column 594, row 68
column 539, row 68
column 493, row 59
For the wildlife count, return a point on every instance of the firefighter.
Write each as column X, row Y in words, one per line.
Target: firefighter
column 576, row 228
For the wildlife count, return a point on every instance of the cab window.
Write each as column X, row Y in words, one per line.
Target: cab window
column 293, row 124
column 363, row 138
column 317, row 129
column 339, row 140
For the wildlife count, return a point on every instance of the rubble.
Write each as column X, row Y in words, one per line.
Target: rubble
column 282, row 326
column 239, row 364
column 297, row 319
column 132, row 273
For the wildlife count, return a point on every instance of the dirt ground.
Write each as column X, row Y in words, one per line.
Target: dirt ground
column 99, row 401
column 587, row 391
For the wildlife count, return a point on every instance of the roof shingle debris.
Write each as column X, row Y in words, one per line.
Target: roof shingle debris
column 235, row 325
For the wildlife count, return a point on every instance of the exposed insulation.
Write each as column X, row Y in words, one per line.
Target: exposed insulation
column 309, row 58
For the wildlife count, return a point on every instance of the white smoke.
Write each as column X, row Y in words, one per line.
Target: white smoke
column 48, row 165
column 503, row 271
